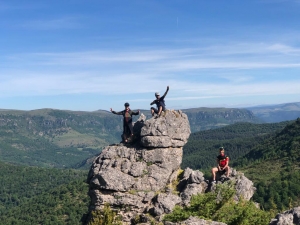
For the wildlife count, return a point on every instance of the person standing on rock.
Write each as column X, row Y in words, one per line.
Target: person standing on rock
column 160, row 103
column 127, row 121
column 222, row 167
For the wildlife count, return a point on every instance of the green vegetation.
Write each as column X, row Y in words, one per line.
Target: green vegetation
column 65, row 139
column 105, row 217
column 268, row 154
column 274, row 167
column 220, row 206
column 55, row 138
column 238, row 139
column 30, row 195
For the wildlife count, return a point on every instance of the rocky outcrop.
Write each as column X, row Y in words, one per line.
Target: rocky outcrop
column 171, row 129
column 195, row 221
column 243, row 186
column 289, row 217
column 144, row 177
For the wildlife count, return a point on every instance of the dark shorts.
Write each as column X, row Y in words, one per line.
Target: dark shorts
column 156, row 110
column 221, row 171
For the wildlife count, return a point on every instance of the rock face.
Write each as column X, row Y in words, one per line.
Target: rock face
column 289, row 217
column 144, row 178
column 171, row 129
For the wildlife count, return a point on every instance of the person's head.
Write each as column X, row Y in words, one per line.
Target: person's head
column 126, row 105
column 157, row 95
column 222, row 151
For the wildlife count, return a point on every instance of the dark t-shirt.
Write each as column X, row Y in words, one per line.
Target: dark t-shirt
column 160, row 102
column 127, row 115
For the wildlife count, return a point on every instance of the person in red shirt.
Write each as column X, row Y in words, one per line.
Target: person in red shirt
column 127, row 121
column 222, row 167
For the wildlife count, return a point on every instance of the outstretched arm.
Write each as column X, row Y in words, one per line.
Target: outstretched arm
column 114, row 112
column 152, row 102
column 166, row 92
column 136, row 113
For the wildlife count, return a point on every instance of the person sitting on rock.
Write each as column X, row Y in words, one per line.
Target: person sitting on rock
column 127, row 122
column 222, row 167
column 160, row 103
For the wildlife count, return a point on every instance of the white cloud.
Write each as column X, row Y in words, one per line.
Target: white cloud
column 240, row 56
column 193, row 72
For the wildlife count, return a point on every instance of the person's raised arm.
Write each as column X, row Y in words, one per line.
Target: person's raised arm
column 166, row 92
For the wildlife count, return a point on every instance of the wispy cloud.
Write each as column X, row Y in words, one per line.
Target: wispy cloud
column 34, row 84
column 192, row 72
column 231, row 56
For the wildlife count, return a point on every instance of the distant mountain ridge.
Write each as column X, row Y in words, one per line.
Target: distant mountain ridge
column 211, row 118
column 276, row 113
column 68, row 139
column 54, row 138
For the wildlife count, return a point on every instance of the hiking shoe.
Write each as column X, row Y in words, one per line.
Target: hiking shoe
column 213, row 181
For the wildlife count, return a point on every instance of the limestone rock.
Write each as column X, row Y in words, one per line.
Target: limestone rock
column 289, row 217
column 129, row 176
column 164, row 203
column 195, row 221
column 192, row 183
column 244, row 187
column 120, row 168
column 171, row 129
column 141, row 180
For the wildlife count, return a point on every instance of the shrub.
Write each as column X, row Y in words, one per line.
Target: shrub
column 106, row 216
column 220, row 206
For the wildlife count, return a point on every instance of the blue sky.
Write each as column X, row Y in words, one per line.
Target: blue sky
column 90, row 55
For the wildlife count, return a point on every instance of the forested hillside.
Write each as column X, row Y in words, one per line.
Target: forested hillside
column 274, row 167
column 66, row 139
column 238, row 139
column 31, row 195
column 55, row 138
column 269, row 154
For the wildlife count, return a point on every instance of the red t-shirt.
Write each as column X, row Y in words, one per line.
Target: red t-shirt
column 222, row 159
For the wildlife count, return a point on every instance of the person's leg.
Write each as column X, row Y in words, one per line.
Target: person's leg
column 126, row 132
column 153, row 111
column 213, row 172
column 227, row 171
column 159, row 110
column 130, row 128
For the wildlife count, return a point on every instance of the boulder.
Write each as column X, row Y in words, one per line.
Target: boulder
column 289, row 217
column 171, row 129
